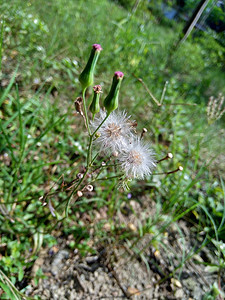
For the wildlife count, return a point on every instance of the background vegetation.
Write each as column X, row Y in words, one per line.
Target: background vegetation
column 44, row 46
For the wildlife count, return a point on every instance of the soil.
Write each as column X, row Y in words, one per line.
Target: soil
column 119, row 271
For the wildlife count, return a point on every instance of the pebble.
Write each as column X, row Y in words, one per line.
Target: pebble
column 91, row 259
column 176, row 283
column 57, row 261
column 82, row 277
column 96, row 274
column 179, row 294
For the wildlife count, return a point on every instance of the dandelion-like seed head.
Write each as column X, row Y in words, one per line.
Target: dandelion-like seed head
column 137, row 160
column 135, row 157
column 115, row 132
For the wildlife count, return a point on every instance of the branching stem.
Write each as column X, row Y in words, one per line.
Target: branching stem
column 85, row 112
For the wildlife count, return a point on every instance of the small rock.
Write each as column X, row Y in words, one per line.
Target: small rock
column 132, row 291
column 197, row 292
column 47, row 294
column 82, row 277
column 157, row 254
column 176, row 283
column 132, row 227
column 96, row 274
column 91, row 259
column 85, row 267
column 107, row 226
column 198, row 258
column 179, row 294
column 189, row 283
column 57, row 261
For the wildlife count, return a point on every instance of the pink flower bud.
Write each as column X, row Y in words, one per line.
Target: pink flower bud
column 97, row 47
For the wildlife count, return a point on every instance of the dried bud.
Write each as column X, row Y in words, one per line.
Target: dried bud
column 180, row 168
column 97, row 135
column 80, row 176
column 87, row 76
column 111, row 101
column 115, row 153
column 78, row 105
column 170, row 155
column 97, row 89
column 144, row 130
column 79, row 194
column 89, row 188
column 133, row 124
column 94, row 107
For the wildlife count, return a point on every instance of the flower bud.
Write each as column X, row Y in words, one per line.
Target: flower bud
column 111, row 101
column 97, row 135
column 94, row 107
column 87, row 76
column 80, row 176
column 78, row 105
column 79, row 194
column 89, row 188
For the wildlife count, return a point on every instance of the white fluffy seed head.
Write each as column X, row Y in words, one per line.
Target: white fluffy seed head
column 137, row 159
column 115, row 132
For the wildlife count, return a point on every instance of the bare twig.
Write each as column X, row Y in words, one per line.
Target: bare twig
column 114, row 274
column 148, row 91
column 159, row 103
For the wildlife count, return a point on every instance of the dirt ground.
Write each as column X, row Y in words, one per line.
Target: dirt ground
column 117, row 272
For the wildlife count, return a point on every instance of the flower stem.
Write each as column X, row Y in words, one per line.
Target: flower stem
column 89, row 154
column 85, row 112
column 73, row 191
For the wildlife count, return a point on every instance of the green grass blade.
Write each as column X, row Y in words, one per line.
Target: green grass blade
column 1, row 44
column 7, row 90
column 49, row 127
column 8, row 142
column 223, row 218
column 21, row 129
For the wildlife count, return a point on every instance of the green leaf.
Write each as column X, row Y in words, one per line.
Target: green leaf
column 8, row 292
column 21, row 274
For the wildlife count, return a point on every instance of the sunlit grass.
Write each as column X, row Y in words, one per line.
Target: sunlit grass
column 43, row 142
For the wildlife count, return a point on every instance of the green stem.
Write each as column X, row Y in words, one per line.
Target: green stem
column 112, row 177
column 97, row 154
column 100, row 124
column 73, row 191
column 89, row 156
column 85, row 112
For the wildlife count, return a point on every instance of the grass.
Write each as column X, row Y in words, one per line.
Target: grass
column 43, row 143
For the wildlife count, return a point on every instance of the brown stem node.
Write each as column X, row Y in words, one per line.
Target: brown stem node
column 144, row 130
column 168, row 156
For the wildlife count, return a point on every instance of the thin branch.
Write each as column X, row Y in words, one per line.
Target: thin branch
column 148, row 91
